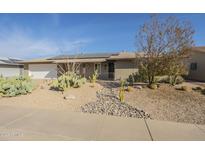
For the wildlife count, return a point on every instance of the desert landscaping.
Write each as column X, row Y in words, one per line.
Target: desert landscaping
column 167, row 103
column 164, row 103
column 44, row 98
column 154, row 83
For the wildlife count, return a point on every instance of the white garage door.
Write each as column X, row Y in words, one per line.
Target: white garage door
column 43, row 71
column 9, row 71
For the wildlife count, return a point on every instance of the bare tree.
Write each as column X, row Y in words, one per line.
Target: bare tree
column 68, row 66
column 163, row 43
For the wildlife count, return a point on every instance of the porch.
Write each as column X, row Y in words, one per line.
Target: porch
column 86, row 67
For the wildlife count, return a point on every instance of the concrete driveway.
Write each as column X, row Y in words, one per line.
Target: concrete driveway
column 17, row 123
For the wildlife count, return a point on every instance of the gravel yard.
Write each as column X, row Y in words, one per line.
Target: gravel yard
column 43, row 97
column 167, row 103
column 164, row 103
column 108, row 103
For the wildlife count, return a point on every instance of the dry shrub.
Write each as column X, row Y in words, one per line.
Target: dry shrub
column 153, row 86
column 129, row 89
column 184, row 88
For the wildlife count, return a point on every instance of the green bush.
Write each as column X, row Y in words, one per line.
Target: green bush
column 15, row 86
column 68, row 80
column 137, row 77
column 175, row 80
column 171, row 80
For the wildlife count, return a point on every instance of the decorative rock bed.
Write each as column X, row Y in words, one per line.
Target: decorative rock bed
column 109, row 104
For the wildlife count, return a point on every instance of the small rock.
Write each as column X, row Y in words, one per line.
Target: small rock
column 138, row 87
column 69, row 97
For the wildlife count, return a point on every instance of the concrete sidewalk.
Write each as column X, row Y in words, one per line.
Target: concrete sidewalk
column 36, row 124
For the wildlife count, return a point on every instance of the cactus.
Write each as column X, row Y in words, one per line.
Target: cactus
column 15, row 86
column 122, row 91
column 94, row 77
column 68, row 80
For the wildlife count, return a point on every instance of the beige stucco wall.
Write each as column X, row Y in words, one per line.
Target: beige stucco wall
column 199, row 58
column 123, row 68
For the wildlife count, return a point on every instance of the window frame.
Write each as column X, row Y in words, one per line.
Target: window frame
column 193, row 66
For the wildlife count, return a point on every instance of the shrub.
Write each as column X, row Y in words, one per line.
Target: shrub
column 139, row 76
column 184, row 88
column 171, row 80
column 197, row 89
column 68, row 80
column 153, row 86
column 15, row 86
column 175, row 80
column 129, row 89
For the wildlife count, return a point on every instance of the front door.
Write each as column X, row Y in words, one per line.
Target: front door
column 111, row 70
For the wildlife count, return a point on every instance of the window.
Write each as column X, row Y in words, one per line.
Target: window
column 98, row 68
column 193, row 66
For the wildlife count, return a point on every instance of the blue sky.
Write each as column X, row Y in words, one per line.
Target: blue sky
column 43, row 35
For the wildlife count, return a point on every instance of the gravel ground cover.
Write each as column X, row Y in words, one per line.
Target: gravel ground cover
column 108, row 103
column 167, row 103
column 44, row 98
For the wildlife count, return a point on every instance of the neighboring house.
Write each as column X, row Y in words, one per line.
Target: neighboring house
column 10, row 67
column 110, row 66
column 196, row 64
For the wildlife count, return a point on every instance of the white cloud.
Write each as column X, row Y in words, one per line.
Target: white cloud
column 19, row 43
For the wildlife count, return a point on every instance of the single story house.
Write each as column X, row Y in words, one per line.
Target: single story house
column 10, row 67
column 110, row 66
column 196, row 64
